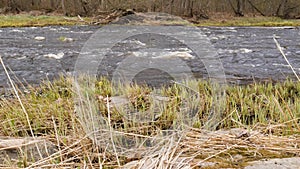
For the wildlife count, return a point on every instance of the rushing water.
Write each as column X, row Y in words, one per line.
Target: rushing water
column 247, row 53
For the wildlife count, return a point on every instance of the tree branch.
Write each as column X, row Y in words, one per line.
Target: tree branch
column 256, row 8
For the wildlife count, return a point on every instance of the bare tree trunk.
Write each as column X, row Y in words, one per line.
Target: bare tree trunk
column 171, row 6
column 53, row 5
column 239, row 10
column 102, row 5
column 253, row 6
column 280, row 7
column 232, row 6
column 84, row 5
column 190, row 8
column 63, row 7
column 12, row 6
column 240, row 7
column 289, row 10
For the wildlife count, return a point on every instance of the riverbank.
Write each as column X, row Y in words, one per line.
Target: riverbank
column 260, row 121
column 26, row 20
column 249, row 21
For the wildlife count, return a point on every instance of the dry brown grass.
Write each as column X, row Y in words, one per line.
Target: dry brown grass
column 193, row 149
column 270, row 132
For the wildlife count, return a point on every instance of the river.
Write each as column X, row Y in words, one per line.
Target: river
column 247, row 53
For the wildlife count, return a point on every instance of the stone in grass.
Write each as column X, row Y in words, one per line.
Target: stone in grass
column 152, row 162
column 277, row 163
column 14, row 150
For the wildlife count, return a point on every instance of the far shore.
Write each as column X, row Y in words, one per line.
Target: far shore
column 28, row 20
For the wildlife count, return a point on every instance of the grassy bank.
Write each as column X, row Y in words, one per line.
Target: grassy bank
column 24, row 20
column 249, row 21
column 266, row 115
column 42, row 20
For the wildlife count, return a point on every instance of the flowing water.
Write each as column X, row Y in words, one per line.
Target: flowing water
column 247, row 53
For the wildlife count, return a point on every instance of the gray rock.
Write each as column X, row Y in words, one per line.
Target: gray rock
column 39, row 38
column 14, row 150
column 283, row 163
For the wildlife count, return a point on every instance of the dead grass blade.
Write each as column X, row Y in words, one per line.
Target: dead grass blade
column 287, row 61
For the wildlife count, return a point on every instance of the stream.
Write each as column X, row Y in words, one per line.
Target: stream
column 33, row 54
